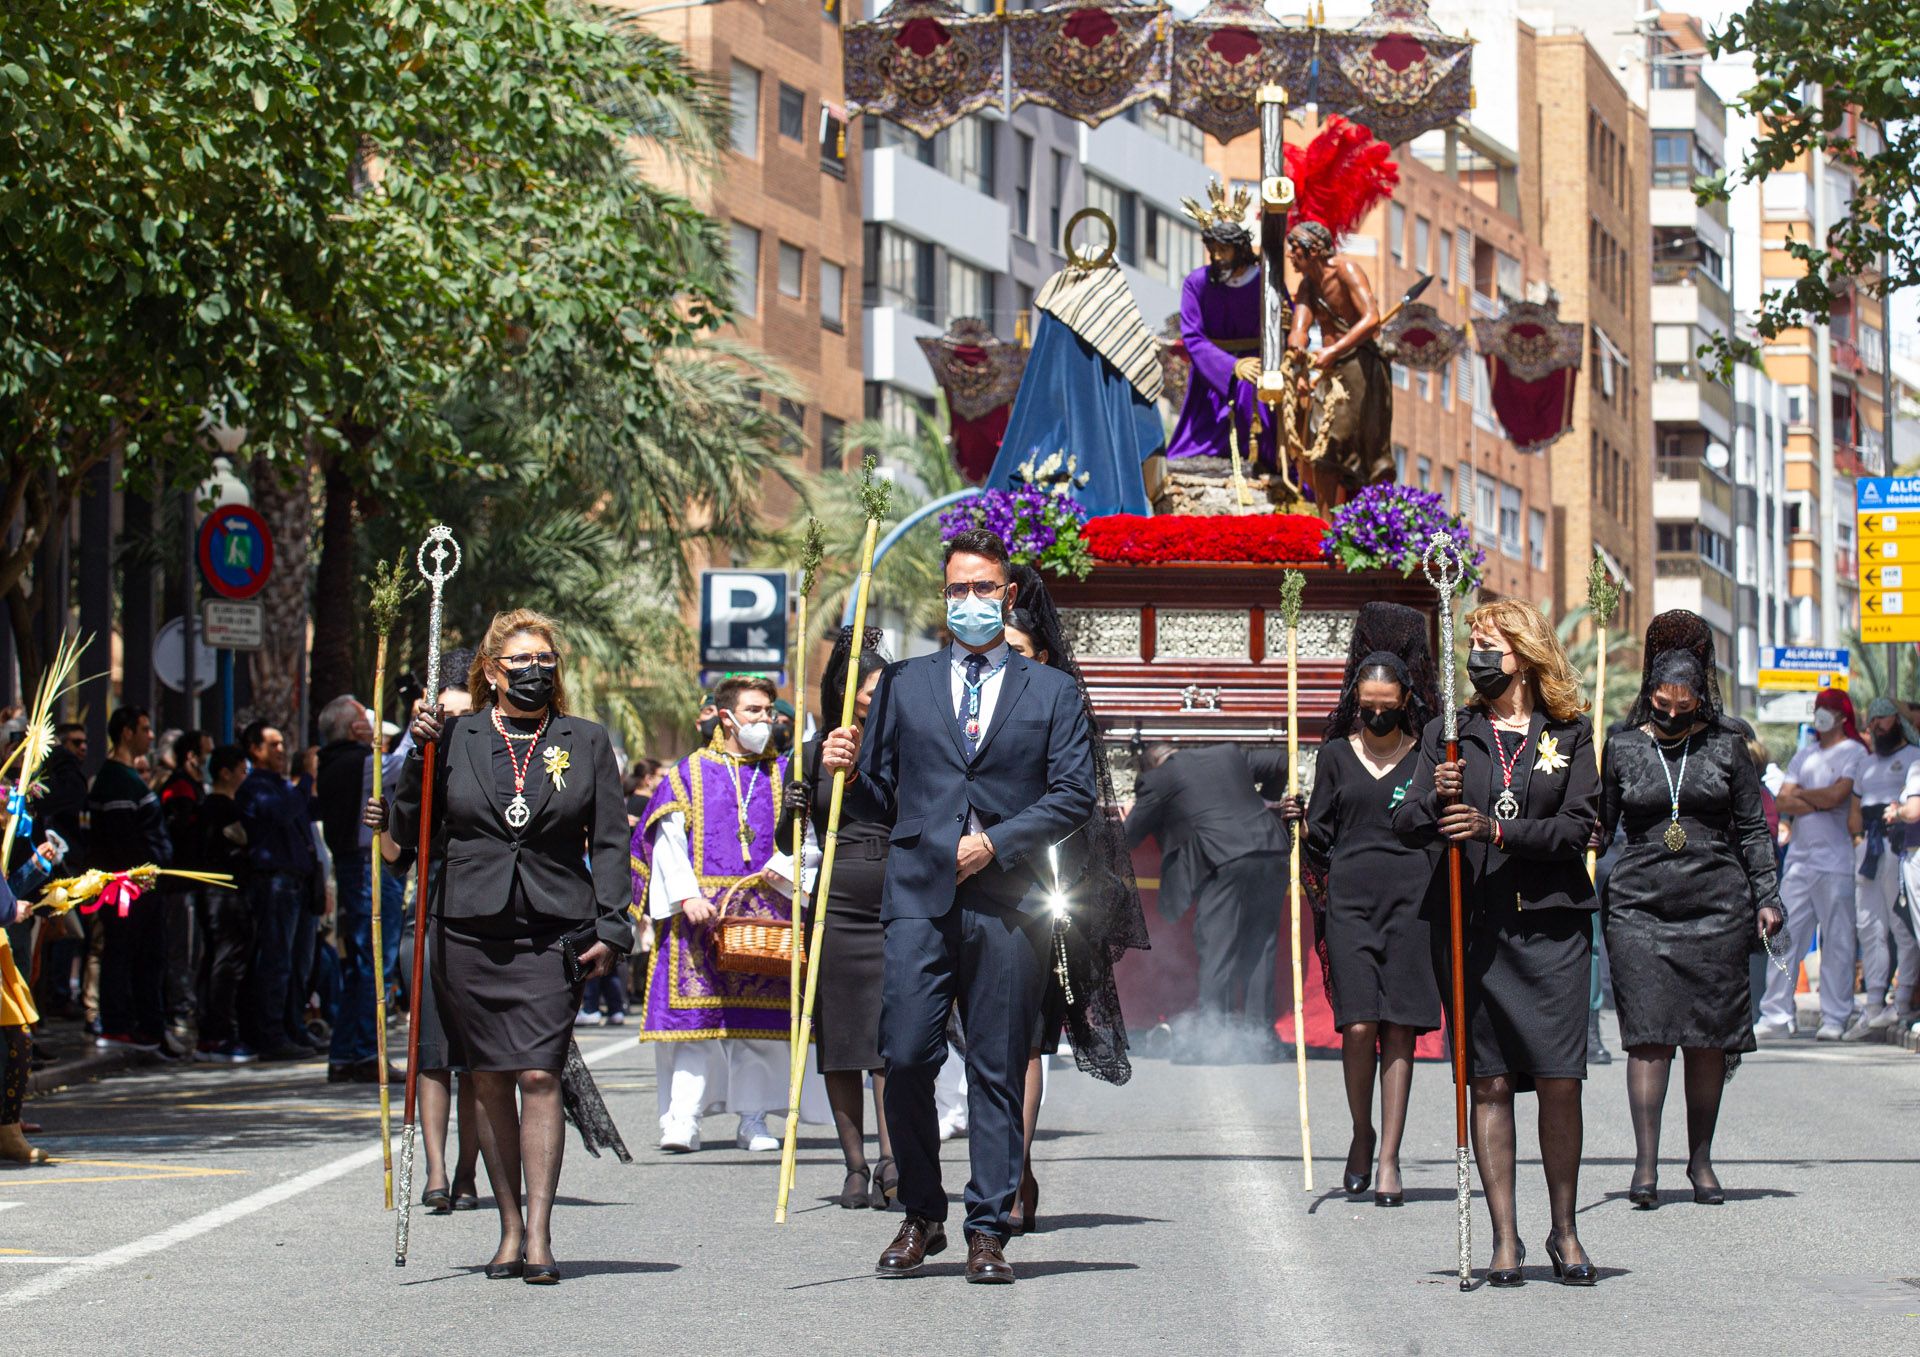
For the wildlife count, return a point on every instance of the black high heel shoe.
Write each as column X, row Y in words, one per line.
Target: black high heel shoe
column 1357, row 1183
column 1508, row 1276
column 1390, row 1199
column 1570, row 1274
column 886, row 1185
column 500, row 1272
column 465, row 1198
column 542, row 1274
column 1644, row 1196
column 1708, row 1196
column 437, row 1200
column 853, row 1192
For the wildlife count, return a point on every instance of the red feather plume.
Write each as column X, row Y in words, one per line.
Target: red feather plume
column 1340, row 176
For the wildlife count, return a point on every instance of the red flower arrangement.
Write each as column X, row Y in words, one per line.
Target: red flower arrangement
column 1266, row 539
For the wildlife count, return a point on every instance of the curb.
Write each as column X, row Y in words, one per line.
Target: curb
column 85, row 1069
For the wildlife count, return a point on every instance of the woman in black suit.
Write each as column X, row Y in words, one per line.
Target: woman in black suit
column 1522, row 801
column 534, row 904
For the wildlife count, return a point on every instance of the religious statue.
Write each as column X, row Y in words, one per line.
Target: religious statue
column 1220, row 307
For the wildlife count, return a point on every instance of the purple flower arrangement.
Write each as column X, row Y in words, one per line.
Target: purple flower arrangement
column 1041, row 528
column 1390, row 525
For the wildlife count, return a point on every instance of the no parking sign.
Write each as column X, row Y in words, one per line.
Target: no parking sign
column 236, row 551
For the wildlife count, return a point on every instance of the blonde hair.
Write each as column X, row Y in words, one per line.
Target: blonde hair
column 1543, row 660
column 504, row 627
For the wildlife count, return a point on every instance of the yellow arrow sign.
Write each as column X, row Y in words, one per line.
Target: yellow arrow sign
column 1888, row 525
column 1880, row 550
column 1879, row 628
column 1800, row 680
column 1882, row 576
column 1890, row 603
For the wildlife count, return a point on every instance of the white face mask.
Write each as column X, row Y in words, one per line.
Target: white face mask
column 1824, row 720
column 753, row 738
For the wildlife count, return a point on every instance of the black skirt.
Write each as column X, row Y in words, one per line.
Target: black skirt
column 502, row 990
column 847, row 1023
column 1529, row 982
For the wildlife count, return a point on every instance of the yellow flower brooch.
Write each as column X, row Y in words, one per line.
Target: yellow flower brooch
column 554, row 759
column 1551, row 760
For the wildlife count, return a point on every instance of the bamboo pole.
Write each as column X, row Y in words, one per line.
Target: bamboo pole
column 811, row 553
column 1290, row 589
column 875, row 493
column 379, row 946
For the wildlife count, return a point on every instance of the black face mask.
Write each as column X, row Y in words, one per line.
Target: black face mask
column 707, row 727
column 782, row 736
column 531, row 688
column 1891, row 741
column 1485, row 674
column 1383, row 722
column 1672, row 723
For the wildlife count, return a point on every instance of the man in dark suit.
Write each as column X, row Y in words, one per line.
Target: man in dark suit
column 980, row 760
column 1222, row 854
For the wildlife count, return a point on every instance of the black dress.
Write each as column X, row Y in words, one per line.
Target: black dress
column 847, row 1025
column 1680, row 924
column 1529, row 907
column 1379, row 952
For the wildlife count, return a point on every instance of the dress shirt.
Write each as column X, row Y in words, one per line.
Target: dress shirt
column 279, row 821
column 993, row 675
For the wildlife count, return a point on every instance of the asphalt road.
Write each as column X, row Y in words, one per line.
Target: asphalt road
column 233, row 1211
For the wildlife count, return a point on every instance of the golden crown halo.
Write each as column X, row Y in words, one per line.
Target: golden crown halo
column 1220, row 210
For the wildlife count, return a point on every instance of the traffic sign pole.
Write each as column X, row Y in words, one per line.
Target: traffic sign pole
column 225, row 664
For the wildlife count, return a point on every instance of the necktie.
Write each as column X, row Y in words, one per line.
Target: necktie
column 970, row 703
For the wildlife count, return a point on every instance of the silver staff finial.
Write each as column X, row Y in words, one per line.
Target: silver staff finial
column 444, row 551
column 1444, row 567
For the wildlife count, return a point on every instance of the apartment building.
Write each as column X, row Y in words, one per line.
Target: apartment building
column 789, row 194
column 1455, row 215
column 1590, row 182
column 1759, row 469
column 971, row 221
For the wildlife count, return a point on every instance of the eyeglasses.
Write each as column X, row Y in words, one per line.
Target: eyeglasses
column 979, row 588
column 517, row 663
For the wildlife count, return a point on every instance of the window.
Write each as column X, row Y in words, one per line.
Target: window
column 833, row 286
column 746, row 110
column 1117, row 203
column 1797, row 405
column 898, row 410
column 1057, row 202
column 1422, row 241
column 1173, row 247
column 1423, row 383
column 1397, row 232
column 830, row 11
column 1446, row 388
column 1023, row 185
column 1446, row 489
column 882, row 133
column 1536, row 539
column 793, row 112
column 1423, row 472
column 1023, row 313
column 1486, row 506
column 969, row 291
column 1510, row 543
column 833, row 140
column 897, row 272
column 793, row 260
column 970, row 153
column 746, row 270
column 1672, row 159
column 1507, row 277
column 793, row 441
column 1400, row 377
column 1446, row 260
column 1399, row 462
column 833, row 434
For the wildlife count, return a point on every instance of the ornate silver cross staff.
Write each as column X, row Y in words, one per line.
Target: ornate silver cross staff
column 1445, row 569
column 443, row 551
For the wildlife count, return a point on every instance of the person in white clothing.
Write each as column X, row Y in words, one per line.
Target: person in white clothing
column 1877, row 861
column 1904, row 916
column 1817, row 886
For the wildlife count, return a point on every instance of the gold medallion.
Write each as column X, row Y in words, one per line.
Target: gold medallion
column 1675, row 838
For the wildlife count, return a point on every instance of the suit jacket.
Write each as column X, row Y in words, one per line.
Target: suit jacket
column 1031, row 782
column 1558, row 810
column 581, row 823
column 1207, row 806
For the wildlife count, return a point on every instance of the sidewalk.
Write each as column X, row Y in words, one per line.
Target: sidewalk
column 78, row 1060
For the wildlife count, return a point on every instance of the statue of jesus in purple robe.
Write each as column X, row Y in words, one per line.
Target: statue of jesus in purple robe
column 1220, row 329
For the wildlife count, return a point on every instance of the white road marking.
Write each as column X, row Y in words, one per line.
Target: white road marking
column 188, row 1229
column 8, row 1206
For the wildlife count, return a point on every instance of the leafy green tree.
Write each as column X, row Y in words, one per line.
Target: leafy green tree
column 1859, row 54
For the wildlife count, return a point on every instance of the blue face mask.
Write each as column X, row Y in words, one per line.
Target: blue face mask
column 973, row 620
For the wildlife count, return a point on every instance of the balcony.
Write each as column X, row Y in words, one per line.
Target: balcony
column 923, row 202
column 1122, row 153
column 890, row 354
column 1681, row 395
column 1687, row 490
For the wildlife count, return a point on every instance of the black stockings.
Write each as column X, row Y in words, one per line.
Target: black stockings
column 1395, row 1061
column 522, row 1144
column 1030, row 1109
column 1705, row 1078
column 1561, row 1132
column 844, row 1095
column 436, row 1102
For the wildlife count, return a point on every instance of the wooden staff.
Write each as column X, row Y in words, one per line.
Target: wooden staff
column 812, row 550
column 391, row 588
column 1291, row 586
column 441, row 549
column 1444, row 569
column 875, row 493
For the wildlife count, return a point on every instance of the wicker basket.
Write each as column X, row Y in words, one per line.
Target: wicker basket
column 750, row 944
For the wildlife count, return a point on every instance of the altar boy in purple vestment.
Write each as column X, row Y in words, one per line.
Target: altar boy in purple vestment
column 1220, row 308
column 713, row 823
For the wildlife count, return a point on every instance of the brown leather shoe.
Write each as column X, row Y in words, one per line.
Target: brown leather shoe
column 985, row 1260
column 919, row 1238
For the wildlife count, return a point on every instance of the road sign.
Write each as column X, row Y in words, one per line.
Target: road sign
column 170, row 660
column 743, row 619
column 1887, row 524
column 1792, row 669
column 233, row 626
column 236, row 551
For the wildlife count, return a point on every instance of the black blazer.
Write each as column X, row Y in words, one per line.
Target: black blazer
column 1558, row 811
column 1031, row 782
column 586, row 818
column 1207, row 808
